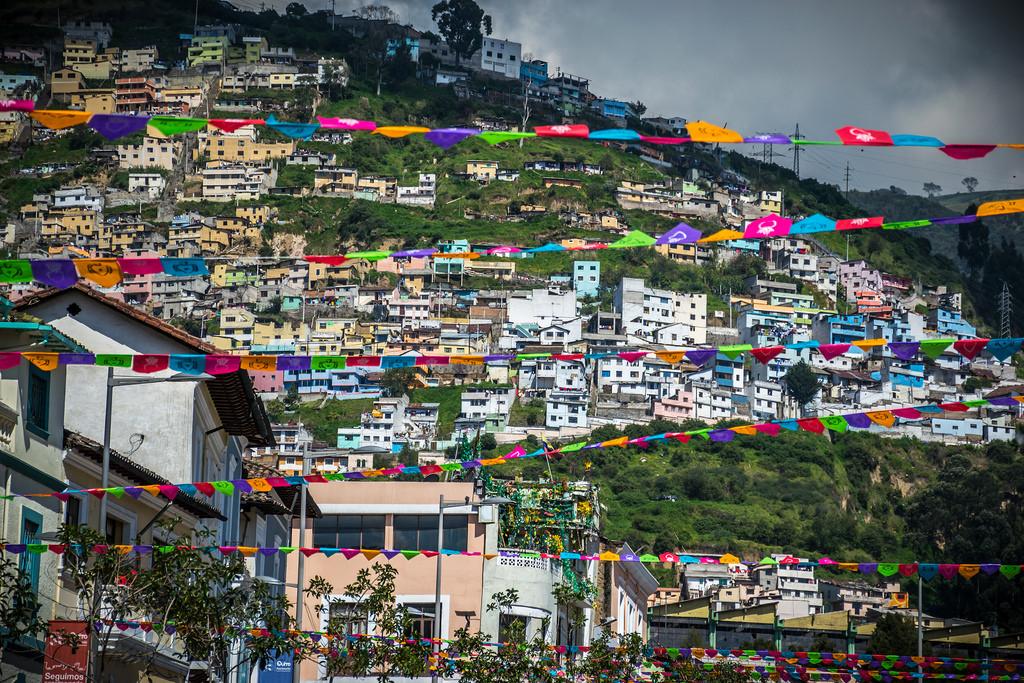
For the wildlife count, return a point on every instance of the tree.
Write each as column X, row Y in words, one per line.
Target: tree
column 378, row 13
column 368, row 599
column 396, row 381
column 894, row 633
column 19, row 607
column 970, row 182
column 801, row 383
column 295, row 10
column 211, row 601
column 488, row 442
column 688, row 670
column 639, row 107
column 463, row 24
column 931, row 189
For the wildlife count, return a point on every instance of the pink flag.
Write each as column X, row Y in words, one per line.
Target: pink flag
column 17, row 105
column 575, row 130
column 830, row 351
column 863, row 137
column 769, row 226
column 516, row 452
column 859, row 223
column 346, row 124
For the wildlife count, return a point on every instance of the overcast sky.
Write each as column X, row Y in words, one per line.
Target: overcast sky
column 953, row 69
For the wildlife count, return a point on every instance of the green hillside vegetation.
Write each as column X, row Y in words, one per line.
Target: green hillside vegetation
column 853, row 497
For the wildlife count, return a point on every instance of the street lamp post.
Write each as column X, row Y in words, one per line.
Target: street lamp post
column 435, row 647
column 107, row 419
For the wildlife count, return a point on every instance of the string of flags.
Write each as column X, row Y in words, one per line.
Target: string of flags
column 889, row 662
column 885, row 418
column 110, row 271
column 999, row 348
column 114, row 126
column 925, row 570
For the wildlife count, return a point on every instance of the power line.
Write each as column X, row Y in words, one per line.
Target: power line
column 796, row 151
column 847, row 178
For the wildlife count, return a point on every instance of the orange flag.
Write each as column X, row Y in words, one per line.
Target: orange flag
column 466, row 360
column 671, row 356
column 722, row 235
column 702, row 131
column 106, row 272
column 997, row 208
column 259, row 363
column 868, row 343
column 882, row 417
column 399, row 131
column 60, row 118
column 969, row 571
column 370, row 554
column 43, row 361
column 620, row 441
column 261, row 485
column 746, row 430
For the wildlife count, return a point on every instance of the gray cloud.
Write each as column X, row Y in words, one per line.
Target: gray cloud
column 946, row 68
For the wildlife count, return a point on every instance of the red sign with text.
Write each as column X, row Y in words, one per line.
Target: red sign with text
column 66, row 659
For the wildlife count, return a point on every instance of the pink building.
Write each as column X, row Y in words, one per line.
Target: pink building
column 628, row 589
column 267, row 382
column 399, row 515
column 398, row 267
column 679, row 408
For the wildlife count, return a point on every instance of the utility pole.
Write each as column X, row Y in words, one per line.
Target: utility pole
column 796, row 150
column 846, row 176
column 1005, row 311
column 333, row 14
column 301, row 578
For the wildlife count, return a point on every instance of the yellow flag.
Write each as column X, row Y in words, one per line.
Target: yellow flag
column 399, row 131
column 608, row 556
column 466, row 360
column 43, row 361
column 882, row 417
column 247, row 550
column 722, row 235
column 729, row 558
column 370, row 554
column 151, row 489
column 1001, row 207
column 60, row 118
column 105, row 272
column 969, row 571
column 702, row 131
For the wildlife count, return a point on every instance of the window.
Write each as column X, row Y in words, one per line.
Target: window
column 37, row 416
column 342, row 613
column 117, row 531
column 31, row 526
column 349, row 531
column 73, row 511
column 421, row 620
column 419, row 532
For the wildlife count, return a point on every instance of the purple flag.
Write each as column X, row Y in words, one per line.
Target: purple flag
column 722, row 435
column 59, row 273
column 241, row 485
column 496, row 357
column 858, row 420
column 1003, row 401
column 267, row 552
column 701, row 356
column 77, row 359
column 113, row 126
column 414, row 253
column 448, row 137
column 953, row 220
column 904, row 350
column 769, row 139
column 293, row 363
column 681, row 234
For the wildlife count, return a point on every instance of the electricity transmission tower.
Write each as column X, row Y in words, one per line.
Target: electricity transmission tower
column 796, row 150
column 1005, row 312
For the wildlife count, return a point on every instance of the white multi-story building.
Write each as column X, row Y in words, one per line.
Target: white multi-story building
column 797, row 587
column 152, row 184
column 500, row 56
column 385, row 420
column 479, row 404
column 646, row 310
column 541, row 307
column 226, row 182
column 566, row 409
column 150, row 153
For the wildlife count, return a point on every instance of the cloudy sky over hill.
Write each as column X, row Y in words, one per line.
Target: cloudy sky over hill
column 951, row 69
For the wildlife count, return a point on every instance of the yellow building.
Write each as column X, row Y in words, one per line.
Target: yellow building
column 64, row 82
column 12, row 126
column 384, row 186
column 256, row 215
column 482, row 170
column 324, row 274
column 213, row 241
column 208, row 50
column 236, row 327
column 335, row 180
column 254, row 47
column 78, row 51
column 241, row 149
column 687, row 253
column 95, row 101
column 770, row 201
column 99, row 69
column 70, row 223
column 265, row 334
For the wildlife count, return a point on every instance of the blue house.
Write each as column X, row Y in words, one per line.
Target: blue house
column 535, row 70
column 840, row 329
column 614, row 109
column 451, row 266
column 586, row 277
column 951, row 323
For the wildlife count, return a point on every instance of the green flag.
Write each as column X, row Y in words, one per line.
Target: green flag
column 327, row 362
column 173, row 125
column 369, row 255
column 903, row 225
column 634, row 238
column 837, row 423
column 732, row 351
column 933, row 348
column 494, row 137
column 409, row 554
column 18, row 270
column 572, row 447
column 225, row 487
column 114, row 360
